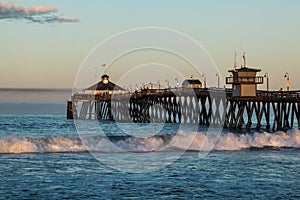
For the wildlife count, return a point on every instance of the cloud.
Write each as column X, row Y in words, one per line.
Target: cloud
column 37, row 14
column 61, row 19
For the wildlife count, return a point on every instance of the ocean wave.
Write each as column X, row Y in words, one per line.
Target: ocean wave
column 41, row 145
column 181, row 141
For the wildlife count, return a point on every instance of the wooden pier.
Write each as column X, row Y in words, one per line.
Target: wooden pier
column 267, row 110
column 240, row 107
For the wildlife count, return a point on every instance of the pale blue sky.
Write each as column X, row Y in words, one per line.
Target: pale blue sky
column 37, row 55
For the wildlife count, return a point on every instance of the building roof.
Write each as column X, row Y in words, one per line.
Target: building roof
column 191, row 81
column 101, row 86
column 245, row 69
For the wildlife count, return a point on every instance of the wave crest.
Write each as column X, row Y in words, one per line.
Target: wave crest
column 34, row 145
column 181, row 141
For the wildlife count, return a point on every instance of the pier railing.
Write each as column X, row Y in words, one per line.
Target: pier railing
column 150, row 92
column 279, row 95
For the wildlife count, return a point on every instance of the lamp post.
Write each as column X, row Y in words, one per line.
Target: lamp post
column 217, row 74
column 288, row 83
column 151, row 85
column 267, row 77
column 158, row 84
column 137, row 87
column 167, row 81
column 177, row 82
column 204, row 79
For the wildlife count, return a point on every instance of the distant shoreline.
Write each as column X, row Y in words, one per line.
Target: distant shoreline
column 30, row 96
column 32, row 108
column 37, row 89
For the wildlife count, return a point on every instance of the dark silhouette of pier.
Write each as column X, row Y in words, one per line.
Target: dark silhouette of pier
column 267, row 110
column 241, row 107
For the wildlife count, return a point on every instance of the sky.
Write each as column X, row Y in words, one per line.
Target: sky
column 44, row 43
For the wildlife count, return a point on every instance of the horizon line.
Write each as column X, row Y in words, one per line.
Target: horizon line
column 35, row 89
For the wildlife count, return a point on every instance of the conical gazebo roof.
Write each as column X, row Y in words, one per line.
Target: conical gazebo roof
column 101, row 85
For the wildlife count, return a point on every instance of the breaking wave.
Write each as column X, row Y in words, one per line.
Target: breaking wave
column 181, row 141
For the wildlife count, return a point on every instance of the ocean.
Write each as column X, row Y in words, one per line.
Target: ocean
column 46, row 156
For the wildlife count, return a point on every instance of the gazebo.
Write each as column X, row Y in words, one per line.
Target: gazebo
column 105, row 87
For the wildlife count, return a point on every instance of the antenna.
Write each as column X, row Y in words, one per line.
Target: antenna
column 96, row 71
column 235, row 55
column 244, row 58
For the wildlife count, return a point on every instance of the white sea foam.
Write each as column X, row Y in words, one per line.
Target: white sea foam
column 32, row 145
column 182, row 141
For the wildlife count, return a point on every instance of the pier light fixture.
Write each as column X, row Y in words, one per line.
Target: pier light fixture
column 286, row 75
column 105, row 79
column 288, row 82
column 267, row 77
column 204, row 79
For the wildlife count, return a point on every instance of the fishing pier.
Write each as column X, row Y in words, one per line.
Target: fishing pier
column 240, row 107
